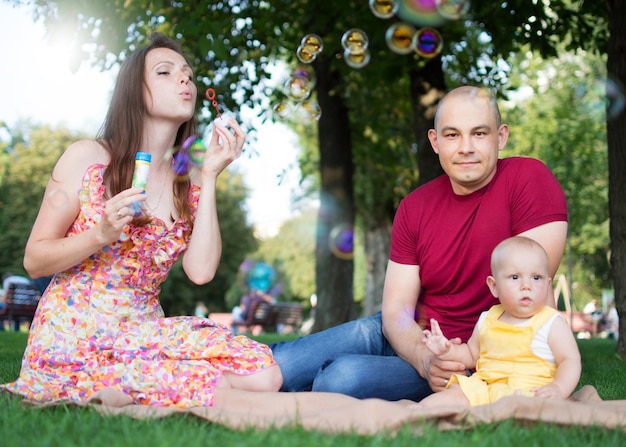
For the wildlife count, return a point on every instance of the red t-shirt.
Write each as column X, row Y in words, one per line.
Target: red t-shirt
column 451, row 237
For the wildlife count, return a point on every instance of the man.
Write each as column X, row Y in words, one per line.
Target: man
column 443, row 235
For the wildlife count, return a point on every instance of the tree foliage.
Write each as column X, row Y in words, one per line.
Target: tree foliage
column 561, row 120
column 26, row 163
column 372, row 134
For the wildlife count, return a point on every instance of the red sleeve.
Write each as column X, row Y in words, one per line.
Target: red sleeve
column 537, row 197
column 403, row 241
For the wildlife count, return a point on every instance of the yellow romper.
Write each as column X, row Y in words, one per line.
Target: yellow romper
column 506, row 363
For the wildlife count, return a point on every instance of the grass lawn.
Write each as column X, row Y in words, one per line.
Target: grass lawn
column 70, row 426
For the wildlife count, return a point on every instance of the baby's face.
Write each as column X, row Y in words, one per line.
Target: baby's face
column 522, row 283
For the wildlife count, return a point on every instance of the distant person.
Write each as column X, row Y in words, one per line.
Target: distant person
column 593, row 315
column 201, row 310
column 248, row 303
column 9, row 279
column 612, row 321
column 261, row 282
column 591, row 307
column 520, row 346
column 42, row 283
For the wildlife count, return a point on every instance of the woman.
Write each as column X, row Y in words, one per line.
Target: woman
column 100, row 324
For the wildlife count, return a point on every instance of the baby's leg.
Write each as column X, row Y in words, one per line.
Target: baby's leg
column 268, row 379
column 452, row 396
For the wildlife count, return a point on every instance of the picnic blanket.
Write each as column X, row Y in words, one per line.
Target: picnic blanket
column 336, row 413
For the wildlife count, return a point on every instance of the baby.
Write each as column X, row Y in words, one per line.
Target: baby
column 520, row 346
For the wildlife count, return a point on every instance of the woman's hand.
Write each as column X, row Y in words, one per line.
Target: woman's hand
column 118, row 212
column 224, row 147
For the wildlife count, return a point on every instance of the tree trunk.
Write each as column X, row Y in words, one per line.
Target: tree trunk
column 377, row 242
column 334, row 274
column 427, row 86
column 616, row 138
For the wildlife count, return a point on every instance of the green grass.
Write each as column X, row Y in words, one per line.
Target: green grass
column 71, row 426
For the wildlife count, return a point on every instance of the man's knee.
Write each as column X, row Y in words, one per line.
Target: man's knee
column 340, row 375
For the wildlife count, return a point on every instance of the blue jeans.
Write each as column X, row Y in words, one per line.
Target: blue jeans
column 354, row 359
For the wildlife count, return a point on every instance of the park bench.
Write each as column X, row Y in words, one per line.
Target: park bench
column 21, row 303
column 287, row 316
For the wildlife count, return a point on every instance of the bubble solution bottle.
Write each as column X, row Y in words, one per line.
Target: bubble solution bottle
column 140, row 178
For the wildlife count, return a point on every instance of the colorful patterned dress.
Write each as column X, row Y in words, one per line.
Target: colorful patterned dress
column 100, row 323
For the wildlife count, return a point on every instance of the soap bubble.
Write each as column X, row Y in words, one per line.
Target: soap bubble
column 261, row 277
column 420, row 12
column 358, row 59
column 58, row 199
column 304, row 56
column 307, row 111
column 616, row 98
column 312, row 44
column 355, row 40
column 282, row 110
column 384, row 9
column 399, row 38
column 453, row 9
column 604, row 98
column 341, row 241
column 196, row 152
column 298, row 88
column 427, row 42
column 305, row 71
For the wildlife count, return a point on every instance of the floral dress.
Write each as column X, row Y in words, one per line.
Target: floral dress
column 100, row 324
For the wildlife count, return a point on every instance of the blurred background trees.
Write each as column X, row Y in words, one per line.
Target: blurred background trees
column 369, row 147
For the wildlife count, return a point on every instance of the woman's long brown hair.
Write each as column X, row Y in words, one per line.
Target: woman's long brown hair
column 123, row 126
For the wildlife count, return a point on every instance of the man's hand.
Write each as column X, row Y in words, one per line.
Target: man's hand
column 435, row 370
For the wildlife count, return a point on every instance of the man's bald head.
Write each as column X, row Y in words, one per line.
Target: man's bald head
column 477, row 94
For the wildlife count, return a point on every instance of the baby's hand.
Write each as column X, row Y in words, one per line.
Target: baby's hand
column 548, row 391
column 434, row 339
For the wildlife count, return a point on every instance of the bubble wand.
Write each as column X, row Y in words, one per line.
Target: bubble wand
column 210, row 95
column 189, row 151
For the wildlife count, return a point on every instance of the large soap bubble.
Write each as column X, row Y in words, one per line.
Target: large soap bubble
column 312, row 43
column 310, row 46
column 384, row 9
column 453, row 9
column 399, row 37
column 427, row 42
column 355, row 40
column 420, row 12
column 341, row 241
column 298, row 88
column 358, row 59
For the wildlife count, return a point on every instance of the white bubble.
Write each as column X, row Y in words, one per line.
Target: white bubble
column 355, row 40
column 384, row 9
column 282, row 111
column 357, row 59
column 304, row 56
column 399, row 37
column 58, row 199
column 298, row 88
column 307, row 111
column 453, row 9
column 312, row 44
